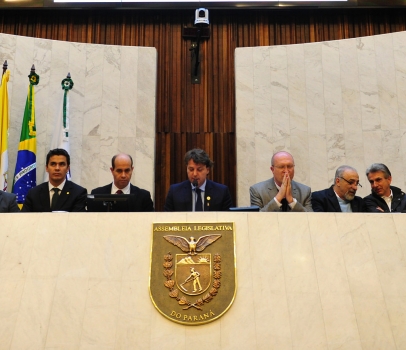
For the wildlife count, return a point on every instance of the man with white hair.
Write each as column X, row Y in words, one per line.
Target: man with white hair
column 340, row 197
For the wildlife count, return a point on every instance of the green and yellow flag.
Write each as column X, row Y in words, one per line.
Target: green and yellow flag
column 25, row 173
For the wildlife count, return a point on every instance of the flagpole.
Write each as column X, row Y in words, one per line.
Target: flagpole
column 25, row 170
column 4, row 127
column 60, row 134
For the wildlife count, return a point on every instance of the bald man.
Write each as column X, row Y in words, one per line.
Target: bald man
column 281, row 193
column 122, row 168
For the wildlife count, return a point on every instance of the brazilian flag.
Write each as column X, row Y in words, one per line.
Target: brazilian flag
column 25, row 173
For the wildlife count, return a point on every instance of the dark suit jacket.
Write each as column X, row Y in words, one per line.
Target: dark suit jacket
column 8, row 203
column 72, row 198
column 141, row 201
column 216, row 197
column 398, row 204
column 326, row 201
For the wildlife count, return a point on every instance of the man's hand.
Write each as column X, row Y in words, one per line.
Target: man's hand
column 285, row 190
column 380, row 209
column 289, row 196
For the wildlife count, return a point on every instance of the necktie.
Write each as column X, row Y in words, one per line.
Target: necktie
column 199, row 204
column 119, row 192
column 55, row 198
column 284, row 204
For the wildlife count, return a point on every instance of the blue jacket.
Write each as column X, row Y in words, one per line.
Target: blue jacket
column 216, row 197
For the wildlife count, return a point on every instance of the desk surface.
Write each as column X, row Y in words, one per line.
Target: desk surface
column 305, row 281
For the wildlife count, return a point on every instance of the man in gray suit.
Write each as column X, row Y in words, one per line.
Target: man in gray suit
column 8, row 203
column 281, row 193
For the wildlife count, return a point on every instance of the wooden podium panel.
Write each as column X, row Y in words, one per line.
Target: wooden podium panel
column 304, row 281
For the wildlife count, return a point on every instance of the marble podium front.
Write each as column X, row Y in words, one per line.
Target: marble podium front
column 305, row 281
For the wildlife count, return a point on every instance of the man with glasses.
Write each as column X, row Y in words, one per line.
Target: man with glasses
column 281, row 193
column 340, row 197
column 384, row 197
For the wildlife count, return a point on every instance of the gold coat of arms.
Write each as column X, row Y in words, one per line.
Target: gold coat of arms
column 193, row 271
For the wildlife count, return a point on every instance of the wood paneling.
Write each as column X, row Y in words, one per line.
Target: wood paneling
column 202, row 115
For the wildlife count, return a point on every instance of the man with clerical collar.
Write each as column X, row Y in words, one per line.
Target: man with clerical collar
column 121, row 169
column 57, row 194
column 281, row 193
column 340, row 197
column 384, row 198
column 198, row 193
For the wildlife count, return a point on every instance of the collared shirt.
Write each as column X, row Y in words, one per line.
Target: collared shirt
column 194, row 194
column 50, row 187
column 388, row 200
column 126, row 189
column 344, row 204
column 292, row 205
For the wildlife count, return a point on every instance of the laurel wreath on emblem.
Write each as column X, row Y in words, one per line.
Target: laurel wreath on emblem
column 174, row 293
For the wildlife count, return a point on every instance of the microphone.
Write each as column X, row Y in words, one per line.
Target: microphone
column 194, row 183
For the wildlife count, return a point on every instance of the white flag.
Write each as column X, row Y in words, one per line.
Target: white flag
column 60, row 136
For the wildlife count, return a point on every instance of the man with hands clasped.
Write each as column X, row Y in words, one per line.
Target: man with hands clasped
column 281, row 193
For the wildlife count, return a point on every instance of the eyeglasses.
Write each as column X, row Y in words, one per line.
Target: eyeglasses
column 352, row 182
column 281, row 167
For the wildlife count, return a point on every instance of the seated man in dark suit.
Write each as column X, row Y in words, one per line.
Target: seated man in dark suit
column 122, row 169
column 8, row 203
column 384, row 197
column 57, row 194
column 340, row 197
column 198, row 193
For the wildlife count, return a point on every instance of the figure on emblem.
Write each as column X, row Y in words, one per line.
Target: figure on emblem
column 195, row 277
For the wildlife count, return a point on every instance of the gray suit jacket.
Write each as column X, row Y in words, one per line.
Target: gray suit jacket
column 8, row 203
column 262, row 194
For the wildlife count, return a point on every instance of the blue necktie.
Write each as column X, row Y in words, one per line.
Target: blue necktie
column 199, row 204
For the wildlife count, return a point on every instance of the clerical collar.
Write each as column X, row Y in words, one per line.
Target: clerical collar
column 340, row 199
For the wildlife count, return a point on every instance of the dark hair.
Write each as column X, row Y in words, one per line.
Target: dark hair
column 58, row 152
column 379, row 167
column 199, row 157
column 114, row 159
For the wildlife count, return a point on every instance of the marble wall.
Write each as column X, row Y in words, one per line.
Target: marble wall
column 304, row 281
column 112, row 104
column 328, row 103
